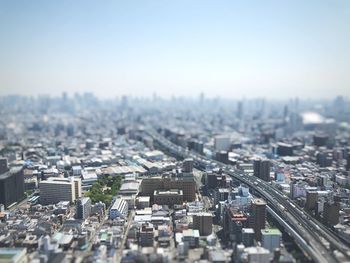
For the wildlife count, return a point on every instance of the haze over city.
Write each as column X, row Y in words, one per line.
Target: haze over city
column 231, row 49
column 158, row 131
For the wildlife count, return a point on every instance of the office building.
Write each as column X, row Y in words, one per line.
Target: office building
column 168, row 197
column 248, row 236
column 222, row 156
column 271, row 238
column 203, row 222
column 262, row 169
column 186, row 184
column 146, row 235
column 196, row 146
column 320, row 140
column 257, row 217
column 118, row 209
column 222, row 143
column 234, row 221
column 54, row 190
column 11, row 185
column 77, row 186
column 83, row 208
column 257, row 254
column 331, row 213
column 311, row 200
column 284, row 149
column 3, row 165
column 187, row 165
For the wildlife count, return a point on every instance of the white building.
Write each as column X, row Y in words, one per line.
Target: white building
column 271, row 238
column 256, row 254
column 118, row 209
column 222, row 143
column 54, row 190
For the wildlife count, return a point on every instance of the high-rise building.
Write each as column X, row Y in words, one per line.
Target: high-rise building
column 203, row 222
column 311, row 200
column 320, row 140
column 3, row 165
column 146, row 235
column 83, row 208
column 348, row 161
column 262, row 169
column 284, row 149
column 257, row 218
column 222, row 156
column 11, row 185
column 331, row 213
column 248, row 236
column 222, row 143
column 54, row 190
column 187, row 165
column 271, row 238
column 195, row 145
column 77, row 186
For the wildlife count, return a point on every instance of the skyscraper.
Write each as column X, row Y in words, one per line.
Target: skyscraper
column 11, row 186
column 257, row 218
column 83, row 208
column 187, row 165
column 262, row 169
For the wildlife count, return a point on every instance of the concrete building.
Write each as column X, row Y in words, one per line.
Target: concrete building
column 118, row 209
column 221, row 156
column 262, row 169
column 168, row 197
column 54, row 190
column 331, row 213
column 203, row 222
column 257, row 218
column 143, row 202
column 233, row 222
column 222, row 143
column 3, row 165
column 257, row 254
column 284, row 149
column 11, row 185
column 13, row 255
column 311, row 200
column 248, row 236
column 77, row 187
column 146, row 235
column 271, row 238
column 320, row 140
column 187, row 165
column 186, row 184
column 83, row 208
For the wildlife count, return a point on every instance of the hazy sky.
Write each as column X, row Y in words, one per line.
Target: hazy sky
column 222, row 48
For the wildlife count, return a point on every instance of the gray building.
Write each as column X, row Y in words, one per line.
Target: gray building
column 83, row 208
column 11, row 185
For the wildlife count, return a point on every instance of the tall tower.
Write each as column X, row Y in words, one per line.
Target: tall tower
column 257, row 218
column 262, row 169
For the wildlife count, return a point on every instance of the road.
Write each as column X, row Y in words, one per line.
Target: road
column 319, row 241
column 126, row 231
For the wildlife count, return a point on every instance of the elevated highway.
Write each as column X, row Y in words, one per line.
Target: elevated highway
column 314, row 238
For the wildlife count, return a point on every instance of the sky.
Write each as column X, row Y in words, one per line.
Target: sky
column 231, row 49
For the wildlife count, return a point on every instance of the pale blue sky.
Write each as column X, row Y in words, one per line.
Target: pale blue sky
column 222, row 48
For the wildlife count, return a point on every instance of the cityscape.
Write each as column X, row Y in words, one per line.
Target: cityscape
column 179, row 180
column 154, row 131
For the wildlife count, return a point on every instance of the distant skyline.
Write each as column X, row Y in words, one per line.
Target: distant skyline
column 231, row 49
